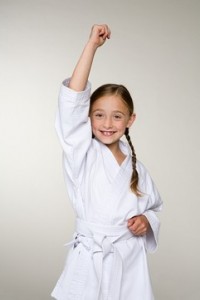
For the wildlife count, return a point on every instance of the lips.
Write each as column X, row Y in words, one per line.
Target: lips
column 108, row 133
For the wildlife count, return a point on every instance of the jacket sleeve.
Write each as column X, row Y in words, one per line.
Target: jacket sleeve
column 150, row 203
column 73, row 128
column 151, row 238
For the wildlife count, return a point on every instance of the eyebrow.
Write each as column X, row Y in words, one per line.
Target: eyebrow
column 114, row 111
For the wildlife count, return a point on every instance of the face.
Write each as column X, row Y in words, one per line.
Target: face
column 110, row 117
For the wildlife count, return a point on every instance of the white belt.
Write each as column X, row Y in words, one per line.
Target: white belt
column 104, row 239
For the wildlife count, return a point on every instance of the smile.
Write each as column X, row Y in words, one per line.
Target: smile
column 108, row 133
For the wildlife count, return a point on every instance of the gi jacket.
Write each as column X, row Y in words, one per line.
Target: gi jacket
column 106, row 261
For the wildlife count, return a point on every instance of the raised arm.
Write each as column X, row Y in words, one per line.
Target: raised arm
column 98, row 36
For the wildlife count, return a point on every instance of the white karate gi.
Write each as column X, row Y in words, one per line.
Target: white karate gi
column 106, row 261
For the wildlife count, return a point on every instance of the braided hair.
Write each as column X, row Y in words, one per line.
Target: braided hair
column 115, row 89
column 134, row 176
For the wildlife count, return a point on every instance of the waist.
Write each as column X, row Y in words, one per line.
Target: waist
column 99, row 241
column 90, row 230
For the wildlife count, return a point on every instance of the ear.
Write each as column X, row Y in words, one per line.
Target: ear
column 131, row 120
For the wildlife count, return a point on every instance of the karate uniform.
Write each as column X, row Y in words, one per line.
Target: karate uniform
column 105, row 261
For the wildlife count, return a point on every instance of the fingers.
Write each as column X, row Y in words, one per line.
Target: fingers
column 100, row 32
column 105, row 31
column 138, row 225
column 131, row 222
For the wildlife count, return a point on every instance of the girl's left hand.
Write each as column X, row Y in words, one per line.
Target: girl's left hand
column 138, row 225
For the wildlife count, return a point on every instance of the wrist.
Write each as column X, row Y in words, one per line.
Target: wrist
column 92, row 46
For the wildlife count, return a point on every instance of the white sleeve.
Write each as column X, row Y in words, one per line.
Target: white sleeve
column 73, row 128
column 151, row 238
column 149, row 203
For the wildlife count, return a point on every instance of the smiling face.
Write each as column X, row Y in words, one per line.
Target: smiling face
column 110, row 117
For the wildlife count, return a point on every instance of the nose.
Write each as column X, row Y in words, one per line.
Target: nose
column 107, row 123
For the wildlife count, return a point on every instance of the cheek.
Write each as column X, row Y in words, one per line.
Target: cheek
column 122, row 126
column 94, row 124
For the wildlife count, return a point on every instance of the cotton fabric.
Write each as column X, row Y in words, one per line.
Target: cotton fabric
column 105, row 261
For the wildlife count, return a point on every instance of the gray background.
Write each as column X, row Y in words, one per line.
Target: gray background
column 154, row 51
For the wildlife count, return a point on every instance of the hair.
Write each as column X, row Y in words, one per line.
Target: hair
column 120, row 90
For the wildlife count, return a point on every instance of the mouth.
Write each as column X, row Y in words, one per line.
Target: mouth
column 107, row 133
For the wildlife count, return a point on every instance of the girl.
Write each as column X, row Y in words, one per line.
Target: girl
column 113, row 196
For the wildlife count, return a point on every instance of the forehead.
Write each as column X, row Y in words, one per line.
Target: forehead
column 110, row 101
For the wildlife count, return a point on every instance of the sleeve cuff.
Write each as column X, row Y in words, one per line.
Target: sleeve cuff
column 73, row 96
column 151, row 238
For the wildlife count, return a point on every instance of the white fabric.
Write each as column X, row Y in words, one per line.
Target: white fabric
column 104, row 262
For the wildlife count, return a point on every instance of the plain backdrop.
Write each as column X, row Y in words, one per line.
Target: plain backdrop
column 154, row 51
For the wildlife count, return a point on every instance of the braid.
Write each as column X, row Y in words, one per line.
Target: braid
column 134, row 176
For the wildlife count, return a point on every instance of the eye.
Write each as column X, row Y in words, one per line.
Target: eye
column 117, row 116
column 98, row 115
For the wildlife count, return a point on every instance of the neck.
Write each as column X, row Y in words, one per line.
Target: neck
column 116, row 151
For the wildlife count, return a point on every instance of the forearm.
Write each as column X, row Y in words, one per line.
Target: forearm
column 81, row 72
column 80, row 76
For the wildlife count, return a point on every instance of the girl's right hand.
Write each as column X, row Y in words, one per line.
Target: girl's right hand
column 99, row 34
column 79, row 78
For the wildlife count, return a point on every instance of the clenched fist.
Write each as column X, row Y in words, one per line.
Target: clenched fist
column 138, row 225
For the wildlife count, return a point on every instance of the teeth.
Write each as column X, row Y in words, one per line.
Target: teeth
column 107, row 133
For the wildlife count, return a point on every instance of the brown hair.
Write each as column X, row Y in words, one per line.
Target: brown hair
column 115, row 89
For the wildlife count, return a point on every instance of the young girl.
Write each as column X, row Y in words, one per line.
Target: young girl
column 113, row 196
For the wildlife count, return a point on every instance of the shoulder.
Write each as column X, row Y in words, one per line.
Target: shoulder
column 143, row 173
column 141, row 168
column 146, row 183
